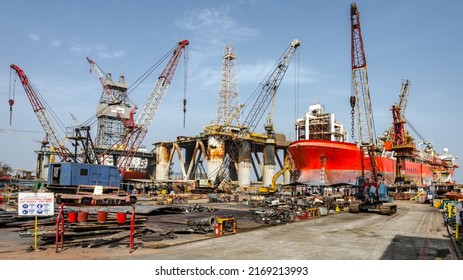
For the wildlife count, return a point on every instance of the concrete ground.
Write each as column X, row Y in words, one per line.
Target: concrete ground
column 416, row 232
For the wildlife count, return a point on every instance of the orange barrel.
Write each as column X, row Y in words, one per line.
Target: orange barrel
column 82, row 216
column 102, row 216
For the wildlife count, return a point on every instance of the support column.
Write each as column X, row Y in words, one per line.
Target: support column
column 42, row 164
column 162, row 161
column 244, row 164
column 216, row 155
column 190, row 163
column 269, row 163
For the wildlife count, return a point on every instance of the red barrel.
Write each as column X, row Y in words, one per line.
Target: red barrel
column 72, row 217
column 82, row 216
column 102, row 216
column 121, row 217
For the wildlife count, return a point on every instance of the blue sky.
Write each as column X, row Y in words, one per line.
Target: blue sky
column 416, row 40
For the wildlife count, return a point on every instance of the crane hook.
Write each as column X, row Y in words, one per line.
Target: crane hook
column 184, row 111
column 352, row 101
column 11, row 103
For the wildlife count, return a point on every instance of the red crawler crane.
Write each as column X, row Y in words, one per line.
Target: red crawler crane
column 137, row 130
column 372, row 193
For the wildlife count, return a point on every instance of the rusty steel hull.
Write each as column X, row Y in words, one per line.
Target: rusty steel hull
column 131, row 175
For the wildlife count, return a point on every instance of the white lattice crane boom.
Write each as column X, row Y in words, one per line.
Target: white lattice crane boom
column 403, row 96
column 266, row 93
column 269, row 88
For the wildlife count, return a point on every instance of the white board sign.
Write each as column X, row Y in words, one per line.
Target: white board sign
column 36, row 204
column 98, row 190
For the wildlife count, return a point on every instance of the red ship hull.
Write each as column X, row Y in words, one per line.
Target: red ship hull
column 325, row 162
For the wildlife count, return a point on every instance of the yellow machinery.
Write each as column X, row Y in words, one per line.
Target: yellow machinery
column 416, row 196
column 273, row 188
column 225, row 224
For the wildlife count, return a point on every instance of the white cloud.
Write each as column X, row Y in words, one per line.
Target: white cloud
column 56, row 43
column 34, row 37
column 254, row 73
column 211, row 29
column 98, row 51
column 108, row 54
column 214, row 25
column 78, row 49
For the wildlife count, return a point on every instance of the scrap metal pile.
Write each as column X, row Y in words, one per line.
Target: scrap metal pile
column 283, row 210
column 87, row 230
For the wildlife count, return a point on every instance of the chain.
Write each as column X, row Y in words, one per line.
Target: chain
column 352, row 112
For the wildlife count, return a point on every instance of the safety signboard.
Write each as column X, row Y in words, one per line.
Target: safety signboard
column 36, row 204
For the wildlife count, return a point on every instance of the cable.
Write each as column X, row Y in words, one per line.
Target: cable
column 296, row 86
column 185, row 76
column 11, row 100
column 148, row 72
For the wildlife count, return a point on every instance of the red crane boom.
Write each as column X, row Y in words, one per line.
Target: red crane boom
column 373, row 193
column 39, row 110
column 361, row 95
column 138, row 130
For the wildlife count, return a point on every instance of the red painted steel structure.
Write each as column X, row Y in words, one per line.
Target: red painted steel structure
column 138, row 130
column 326, row 162
column 60, row 228
column 361, row 93
column 39, row 109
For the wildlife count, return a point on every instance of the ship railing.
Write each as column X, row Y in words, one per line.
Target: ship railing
column 431, row 159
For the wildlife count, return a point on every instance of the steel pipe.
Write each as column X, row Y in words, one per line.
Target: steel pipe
column 202, row 221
